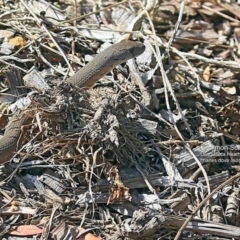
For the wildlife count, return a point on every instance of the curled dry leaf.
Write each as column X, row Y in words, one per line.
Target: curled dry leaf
column 18, row 41
column 207, row 74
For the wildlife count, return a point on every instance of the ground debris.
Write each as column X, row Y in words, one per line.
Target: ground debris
column 151, row 151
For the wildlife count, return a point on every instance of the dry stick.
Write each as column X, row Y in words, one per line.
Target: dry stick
column 59, row 48
column 13, row 65
column 150, row 187
column 47, row 229
column 89, row 14
column 75, row 4
column 48, row 63
column 41, row 56
column 149, row 7
column 168, row 45
column 203, row 202
column 50, row 49
column 22, row 48
column 40, row 23
column 16, row 169
column 176, row 102
column 10, row 199
column 228, row 64
column 220, row 14
column 142, row 105
column 146, row 96
column 102, row 30
column 166, row 81
column 94, row 155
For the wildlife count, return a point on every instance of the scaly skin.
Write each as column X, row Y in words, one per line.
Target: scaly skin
column 84, row 78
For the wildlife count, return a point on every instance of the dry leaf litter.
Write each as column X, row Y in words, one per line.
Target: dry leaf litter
column 152, row 151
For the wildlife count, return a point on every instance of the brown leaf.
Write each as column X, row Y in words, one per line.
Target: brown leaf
column 88, row 236
column 26, row 230
column 207, row 74
column 18, row 41
column 117, row 191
